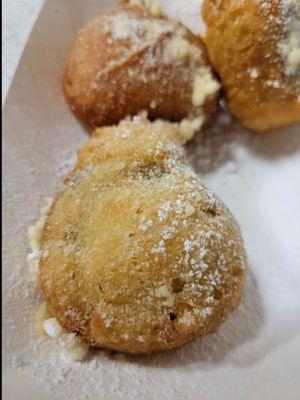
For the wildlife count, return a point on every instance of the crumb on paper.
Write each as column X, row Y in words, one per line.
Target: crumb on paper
column 72, row 347
column 34, row 236
column 41, row 315
column 35, row 231
column 52, row 327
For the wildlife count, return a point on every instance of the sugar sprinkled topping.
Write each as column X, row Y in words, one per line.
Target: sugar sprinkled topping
column 141, row 32
column 177, row 51
column 180, row 239
column 253, row 72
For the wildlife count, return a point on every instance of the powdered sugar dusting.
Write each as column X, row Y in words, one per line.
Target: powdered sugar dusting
column 239, row 346
column 165, row 49
column 185, row 218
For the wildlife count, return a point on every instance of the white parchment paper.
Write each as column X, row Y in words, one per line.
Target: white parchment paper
column 255, row 354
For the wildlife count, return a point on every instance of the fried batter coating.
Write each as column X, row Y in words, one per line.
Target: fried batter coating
column 255, row 48
column 136, row 254
column 129, row 60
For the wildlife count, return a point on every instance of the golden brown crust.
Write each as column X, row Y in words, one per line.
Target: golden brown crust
column 242, row 42
column 121, row 64
column 136, row 255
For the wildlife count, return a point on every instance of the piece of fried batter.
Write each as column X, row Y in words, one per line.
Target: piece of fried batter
column 255, row 47
column 129, row 60
column 136, row 254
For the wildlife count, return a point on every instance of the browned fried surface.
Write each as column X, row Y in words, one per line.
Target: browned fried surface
column 242, row 39
column 136, row 254
column 122, row 63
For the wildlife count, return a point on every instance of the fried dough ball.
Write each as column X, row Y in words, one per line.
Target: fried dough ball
column 136, row 254
column 129, row 60
column 255, row 48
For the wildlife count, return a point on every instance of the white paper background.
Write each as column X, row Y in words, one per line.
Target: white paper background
column 18, row 19
column 255, row 355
